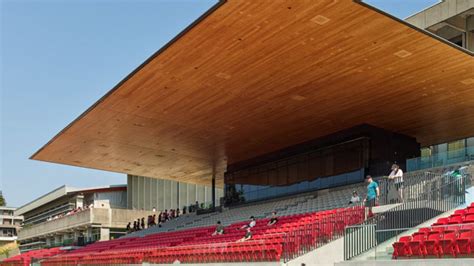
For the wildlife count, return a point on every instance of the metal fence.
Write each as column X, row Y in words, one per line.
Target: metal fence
column 425, row 200
column 320, row 229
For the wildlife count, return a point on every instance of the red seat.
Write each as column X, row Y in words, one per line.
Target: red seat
column 464, row 243
column 457, row 219
column 431, row 244
column 416, row 245
column 441, row 221
column 446, row 244
column 401, row 248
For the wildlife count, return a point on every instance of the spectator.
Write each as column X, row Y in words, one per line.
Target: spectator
column 143, row 223
column 219, row 229
column 177, row 212
column 135, row 226
column 373, row 193
column 248, row 235
column 148, row 220
column 251, row 224
column 165, row 215
column 355, row 199
column 153, row 222
column 154, row 209
column 160, row 217
column 397, row 176
column 129, row 229
column 184, row 210
column 273, row 220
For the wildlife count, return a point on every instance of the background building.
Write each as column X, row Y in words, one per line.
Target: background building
column 9, row 225
column 71, row 216
column 451, row 20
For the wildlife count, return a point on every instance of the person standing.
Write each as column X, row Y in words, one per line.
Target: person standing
column 142, row 223
column 397, row 176
column 373, row 192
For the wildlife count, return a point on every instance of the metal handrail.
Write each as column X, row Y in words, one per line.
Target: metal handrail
column 429, row 203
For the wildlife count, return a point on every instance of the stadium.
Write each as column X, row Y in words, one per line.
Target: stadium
column 276, row 133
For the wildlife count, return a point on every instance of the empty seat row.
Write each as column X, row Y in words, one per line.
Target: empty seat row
column 26, row 258
column 452, row 236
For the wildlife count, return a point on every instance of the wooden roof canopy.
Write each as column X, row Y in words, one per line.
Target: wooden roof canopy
column 252, row 77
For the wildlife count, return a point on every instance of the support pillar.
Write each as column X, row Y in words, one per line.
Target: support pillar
column 213, row 189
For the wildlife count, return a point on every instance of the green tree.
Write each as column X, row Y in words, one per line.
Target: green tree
column 3, row 202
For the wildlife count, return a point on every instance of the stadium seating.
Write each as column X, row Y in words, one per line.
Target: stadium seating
column 306, row 203
column 27, row 257
column 291, row 235
column 451, row 236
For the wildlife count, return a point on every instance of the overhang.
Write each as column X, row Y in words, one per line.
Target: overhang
column 252, row 77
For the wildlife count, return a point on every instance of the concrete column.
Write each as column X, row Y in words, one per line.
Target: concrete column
column 470, row 33
column 79, row 201
column 104, row 234
column 213, row 190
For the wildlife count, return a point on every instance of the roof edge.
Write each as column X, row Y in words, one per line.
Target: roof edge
column 19, row 209
column 424, row 9
column 149, row 59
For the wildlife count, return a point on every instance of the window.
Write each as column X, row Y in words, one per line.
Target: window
column 456, row 149
column 426, row 152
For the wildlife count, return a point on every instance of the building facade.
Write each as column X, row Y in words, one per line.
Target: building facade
column 69, row 216
column 9, row 225
column 452, row 20
column 145, row 193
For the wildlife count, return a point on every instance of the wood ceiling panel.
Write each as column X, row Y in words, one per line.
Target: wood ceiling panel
column 256, row 76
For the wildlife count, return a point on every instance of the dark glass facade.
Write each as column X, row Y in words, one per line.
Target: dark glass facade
column 237, row 193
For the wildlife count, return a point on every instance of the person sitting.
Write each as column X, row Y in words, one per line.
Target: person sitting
column 219, row 229
column 273, row 220
column 355, row 199
column 251, row 224
column 247, row 236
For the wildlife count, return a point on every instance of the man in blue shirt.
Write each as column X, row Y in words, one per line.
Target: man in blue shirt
column 373, row 194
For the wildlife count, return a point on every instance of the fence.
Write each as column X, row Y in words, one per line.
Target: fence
column 440, row 194
column 322, row 228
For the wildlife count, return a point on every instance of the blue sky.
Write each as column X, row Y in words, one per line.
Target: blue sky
column 59, row 57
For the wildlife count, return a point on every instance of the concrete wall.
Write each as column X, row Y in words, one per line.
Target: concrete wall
column 326, row 255
column 144, row 193
column 411, row 262
column 227, row 263
column 99, row 217
column 439, row 12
